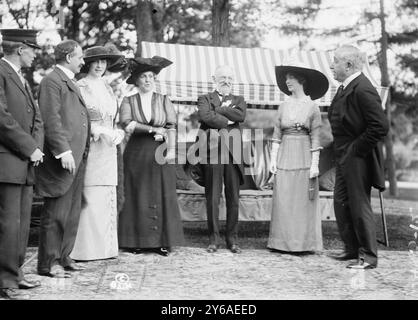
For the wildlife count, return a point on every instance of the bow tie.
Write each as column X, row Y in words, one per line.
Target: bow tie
column 222, row 97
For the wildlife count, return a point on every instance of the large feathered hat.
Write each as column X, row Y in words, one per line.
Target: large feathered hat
column 140, row 65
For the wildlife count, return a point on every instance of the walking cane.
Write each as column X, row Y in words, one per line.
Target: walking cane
column 29, row 260
column 385, row 228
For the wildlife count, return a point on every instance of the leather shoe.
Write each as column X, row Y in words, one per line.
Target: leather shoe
column 161, row 251
column 134, row 250
column 74, row 267
column 56, row 271
column 361, row 264
column 212, row 248
column 235, row 249
column 26, row 284
column 12, row 294
column 345, row 256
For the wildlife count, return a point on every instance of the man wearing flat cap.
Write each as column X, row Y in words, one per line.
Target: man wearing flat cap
column 21, row 140
column 60, row 177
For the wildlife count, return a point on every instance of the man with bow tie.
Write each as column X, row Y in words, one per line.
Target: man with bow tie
column 21, row 140
column 358, row 125
column 60, row 177
column 220, row 114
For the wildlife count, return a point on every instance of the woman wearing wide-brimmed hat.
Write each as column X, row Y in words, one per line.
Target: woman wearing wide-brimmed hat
column 150, row 219
column 97, row 231
column 296, row 221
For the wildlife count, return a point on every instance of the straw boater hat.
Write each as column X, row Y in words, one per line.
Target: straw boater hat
column 25, row 36
column 140, row 65
column 317, row 83
column 97, row 53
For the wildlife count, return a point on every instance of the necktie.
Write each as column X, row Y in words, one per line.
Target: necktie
column 339, row 91
column 21, row 77
column 24, row 82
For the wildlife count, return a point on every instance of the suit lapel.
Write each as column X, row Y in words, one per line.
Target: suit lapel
column 14, row 76
column 348, row 90
column 214, row 98
column 350, row 87
column 32, row 99
column 71, row 85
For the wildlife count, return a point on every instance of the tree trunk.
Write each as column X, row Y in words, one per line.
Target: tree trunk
column 390, row 163
column 70, row 28
column 144, row 25
column 220, row 23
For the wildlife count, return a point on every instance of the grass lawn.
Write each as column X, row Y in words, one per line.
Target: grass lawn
column 254, row 234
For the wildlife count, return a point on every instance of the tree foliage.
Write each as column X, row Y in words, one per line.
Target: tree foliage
column 294, row 19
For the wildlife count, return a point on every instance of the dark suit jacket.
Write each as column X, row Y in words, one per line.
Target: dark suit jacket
column 213, row 116
column 362, row 116
column 67, row 127
column 21, row 128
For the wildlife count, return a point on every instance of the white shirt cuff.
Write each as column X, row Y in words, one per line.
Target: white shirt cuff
column 63, row 154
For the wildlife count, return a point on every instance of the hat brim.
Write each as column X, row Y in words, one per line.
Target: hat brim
column 32, row 45
column 140, row 65
column 317, row 83
column 139, row 70
column 196, row 173
column 111, row 58
column 118, row 65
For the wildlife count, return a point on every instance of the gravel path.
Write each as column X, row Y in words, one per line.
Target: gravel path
column 191, row 273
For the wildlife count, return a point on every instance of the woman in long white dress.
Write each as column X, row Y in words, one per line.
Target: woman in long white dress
column 295, row 220
column 97, row 232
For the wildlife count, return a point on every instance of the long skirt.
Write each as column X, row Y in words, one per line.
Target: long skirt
column 295, row 219
column 97, row 230
column 150, row 217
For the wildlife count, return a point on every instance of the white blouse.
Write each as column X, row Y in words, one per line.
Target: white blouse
column 146, row 104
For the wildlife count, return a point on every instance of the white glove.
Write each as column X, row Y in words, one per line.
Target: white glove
column 118, row 136
column 273, row 157
column 314, row 170
column 95, row 132
column 130, row 127
column 100, row 132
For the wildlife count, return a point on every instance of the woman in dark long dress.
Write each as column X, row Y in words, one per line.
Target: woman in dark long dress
column 150, row 218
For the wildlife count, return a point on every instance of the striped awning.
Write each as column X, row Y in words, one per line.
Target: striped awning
column 190, row 75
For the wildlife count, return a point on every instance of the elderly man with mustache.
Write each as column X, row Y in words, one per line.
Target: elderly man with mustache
column 220, row 114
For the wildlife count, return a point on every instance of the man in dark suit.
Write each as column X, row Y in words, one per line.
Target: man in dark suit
column 358, row 125
column 220, row 114
column 60, row 177
column 21, row 140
